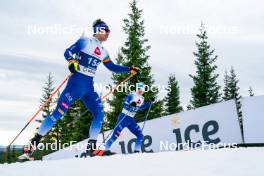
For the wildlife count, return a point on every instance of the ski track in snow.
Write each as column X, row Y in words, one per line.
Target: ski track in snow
column 222, row 162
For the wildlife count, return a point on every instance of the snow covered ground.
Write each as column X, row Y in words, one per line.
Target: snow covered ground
column 224, row 162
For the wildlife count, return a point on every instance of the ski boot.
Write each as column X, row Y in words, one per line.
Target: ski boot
column 29, row 149
column 103, row 153
column 27, row 155
column 91, row 147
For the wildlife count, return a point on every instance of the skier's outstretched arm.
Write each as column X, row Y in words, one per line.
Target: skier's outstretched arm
column 145, row 106
column 76, row 47
column 115, row 67
column 70, row 52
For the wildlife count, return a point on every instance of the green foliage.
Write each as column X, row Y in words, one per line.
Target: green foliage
column 10, row 155
column 172, row 100
column 48, row 89
column 231, row 90
column 134, row 53
column 205, row 91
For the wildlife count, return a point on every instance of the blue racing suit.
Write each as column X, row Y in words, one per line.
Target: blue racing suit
column 126, row 119
column 90, row 53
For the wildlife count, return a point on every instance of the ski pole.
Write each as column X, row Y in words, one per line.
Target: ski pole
column 125, row 80
column 39, row 110
column 113, row 129
column 146, row 117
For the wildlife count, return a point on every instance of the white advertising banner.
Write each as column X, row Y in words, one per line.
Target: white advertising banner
column 253, row 119
column 214, row 124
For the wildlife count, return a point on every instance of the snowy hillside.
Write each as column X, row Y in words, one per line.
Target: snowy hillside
column 224, row 162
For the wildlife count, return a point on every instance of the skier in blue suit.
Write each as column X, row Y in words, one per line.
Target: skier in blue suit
column 132, row 103
column 83, row 57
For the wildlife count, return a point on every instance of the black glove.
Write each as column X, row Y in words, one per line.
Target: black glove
column 133, row 104
column 73, row 66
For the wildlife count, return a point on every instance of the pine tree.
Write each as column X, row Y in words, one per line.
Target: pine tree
column 231, row 90
column 2, row 154
column 205, row 91
column 250, row 91
column 48, row 89
column 2, row 158
column 172, row 100
column 9, row 155
column 226, row 91
column 14, row 154
column 134, row 52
